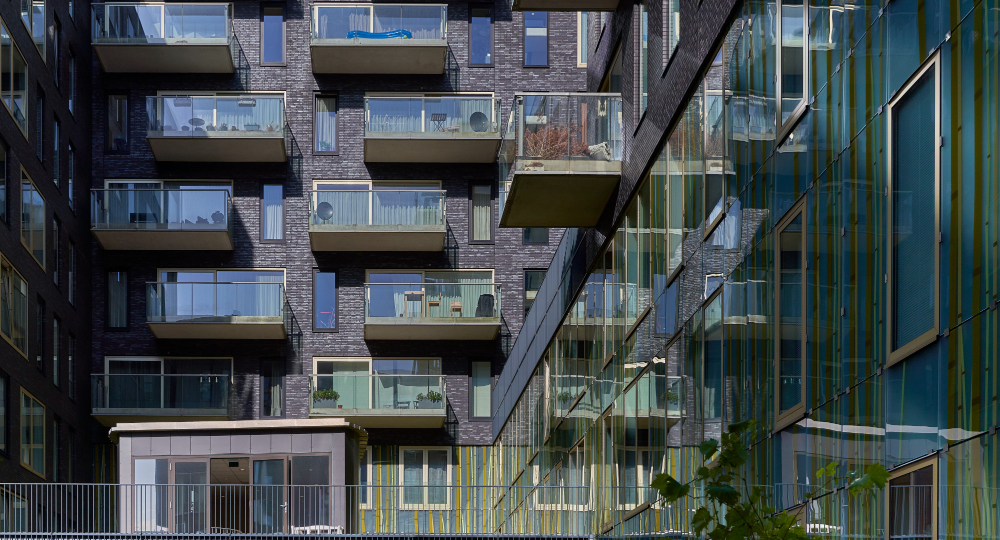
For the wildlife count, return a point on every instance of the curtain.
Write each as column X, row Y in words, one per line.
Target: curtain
column 423, row 22
column 117, row 300
column 249, row 293
column 134, row 385
column 273, row 218
column 482, row 213
column 337, row 22
column 461, row 294
column 393, row 207
column 349, row 203
column 326, row 124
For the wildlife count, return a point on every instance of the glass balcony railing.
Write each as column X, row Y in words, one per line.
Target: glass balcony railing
column 157, row 393
column 389, row 393
column 216, row 116
column 437, row 302
column 215, row 302
column 392, row 209
column 158, row 23
column 333, row 24
column 160, row 209
column 432, row 117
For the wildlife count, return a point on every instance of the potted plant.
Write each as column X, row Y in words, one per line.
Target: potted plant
column 564, row 396
column 253, row 127
column 430, row 400
column 325, row 146
column 325, row 399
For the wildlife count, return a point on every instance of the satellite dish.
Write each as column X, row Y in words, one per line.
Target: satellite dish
column 478, row 122
column 324, row 211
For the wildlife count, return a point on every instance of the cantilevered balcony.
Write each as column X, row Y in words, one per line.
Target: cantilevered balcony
column 402, row 39
column 561, row 159
column 164, row 38
column 217, row 310
column 444, row 129
column 380, row 401
column 161, row 219
column 564, row 5
column 216, row 128
column 377, row 220
column 116, row 397
column 431, row 311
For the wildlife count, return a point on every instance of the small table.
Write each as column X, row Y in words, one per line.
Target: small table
column 413, row 296
column 439, row 119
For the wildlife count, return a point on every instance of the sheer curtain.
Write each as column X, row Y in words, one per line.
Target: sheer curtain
column 462, row 294
column 337, row 22
column 482, row 213
column 423, row 22
column 274, row 216
column 348, row 201
column 326, row 124
column 249, row 293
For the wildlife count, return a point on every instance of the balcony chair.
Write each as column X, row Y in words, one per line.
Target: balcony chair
column 485, row 306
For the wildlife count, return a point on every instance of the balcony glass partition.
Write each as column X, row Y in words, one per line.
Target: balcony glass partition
column 156, row 23
column 432, row 117
column 195, row 302
column 160, row 209
column 568, row 132
column 458, row 296
column 376, row 392
column 216, row 116
column 341, row 22
column 345, row 207
column 158, row 392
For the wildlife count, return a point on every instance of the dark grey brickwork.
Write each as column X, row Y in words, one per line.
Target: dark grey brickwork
column 507, row 255
column 73, row 37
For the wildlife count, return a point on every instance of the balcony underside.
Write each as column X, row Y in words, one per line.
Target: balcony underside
column 206, row 147
column 221, row 328
column 113, row 417
column 558, row 198
column 387, row 418
column 164, row 239
column 164, row 58
column 565, row 5
column 432, row 328
column 375, row 238
column 375, row 56
column 431, row 150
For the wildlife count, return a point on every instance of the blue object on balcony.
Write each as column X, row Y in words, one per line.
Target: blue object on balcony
column 405, row 34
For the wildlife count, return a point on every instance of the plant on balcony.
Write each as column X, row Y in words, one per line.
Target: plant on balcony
column 328, row 394
column 432, row 396
column 564, row 396
column 553, row 142
column 671, row 397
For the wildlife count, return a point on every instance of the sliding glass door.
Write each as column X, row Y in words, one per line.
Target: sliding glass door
column 269, row 501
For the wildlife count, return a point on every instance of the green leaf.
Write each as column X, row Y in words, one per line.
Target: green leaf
column 878, row 474
column 701, row 520
column 670, row 489
column 740, row 427
column 709, row 448
column 724, row 493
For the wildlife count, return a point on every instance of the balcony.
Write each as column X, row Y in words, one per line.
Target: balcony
column 400, row 39
column 118, row 398
column 561, row 159
column 216, row 128
column 446, row 129
column 380, row 401
column 164, row 38
column 161, row 219
column 377, row 220
column 217, row 310
column 431, row 311
column 563, row 5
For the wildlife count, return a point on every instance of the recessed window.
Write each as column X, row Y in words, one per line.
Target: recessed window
column 272, row 385
column 532, row 284
column 40, row 125
column 71, row 274
column 70, row 176
column 14, row 69
column 272, row 213
column 56, row 153
column 71, row 91
column 480, row 35
column 272, row 35
column 70, row 371
column 32, row 219
column 325, row 125
column 117, row 134
column 792, row 58
column 32, row 434
column 582, row 33
column 33, row 15
column 643, row 55
column 481, row 214
column 671, row 27
column 13, row 307
column 4, row 184
column 40, row 334
column 56, row 323
column 117, row 299
column 4, row 421
column 325, row 301
column 481, row 386
column 57, row 252
column 535, row 235
column 789, row 310
column 536, row 38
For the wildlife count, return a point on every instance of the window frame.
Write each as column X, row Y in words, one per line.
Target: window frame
column 930, row 336
column 4, row 261
column 524, row 242
column 481, row 5
column 930, row 461
column 524, row 40
column 336, row 126
column 524, row 274
column 666, row 29
column 4, row 414
column 108, row 144
column 28, row 25
column 284, row 34
column 56, row 349
column 336, row 300
column 783, row 128
column 284, row 213
column 582, row 33
column 796, row 413
column 472, row 206
column 472, row 397
column 284, row 392
column 107, row 303
column 20, row 408
column 424, row 479
column 44, row 235
column 23, row 126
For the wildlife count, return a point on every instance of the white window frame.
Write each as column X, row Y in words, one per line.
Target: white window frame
column 783, row 128
column 447, row 487
column 581, row 39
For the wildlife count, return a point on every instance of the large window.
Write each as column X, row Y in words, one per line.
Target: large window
column 117, row 299
column 32, row 434
column 532, row 283
column 481, row 386
column 481, row 214
column 913, row 214
column 536, row 38
column 272, row 213
column 480, row 35
column 790, row 309
column 32, row 219
column 422, row 470
column 116, row 138
column 272, row 35
column 14, row 69
column 33, row 15
column 387, row 384
column 325, row 301
column 13, row 307
column 582, row 35
column 325, row 127
column 792, row 60
column 912, row 501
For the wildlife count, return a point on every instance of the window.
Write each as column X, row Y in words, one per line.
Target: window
column 536, row 38
column 792, row 61
column 56, row 146
column 671, row 28
column 272, row 215
column 40, row 334
column 535, row 235
column 480, row 35
column 15, row 70
column 3, row 183
column 324, row 301
column 117, row 299
column 55, row 349
column 582, row 33
column 117, row 135
column 57, row 249
column 71, row 7
column 422, row 470
column 272, row 384
column 790, row 341
column 643, row 55
column 70, row 371
column 481, row 214
column 33, row 15
column 40, row 125
column 57, row 51
column 532, row 283
column 613, row 80
column 56, row 426
column 71, row 454
column 914, row 185
column 32, row 434
column 70, row 174
column 912, row 501
column 272, row 36
column 325, row 128
column 71, row 90
column 32, row 219
column 71, row 274
column 3, row 414
column 13, row 307
column 481, row 386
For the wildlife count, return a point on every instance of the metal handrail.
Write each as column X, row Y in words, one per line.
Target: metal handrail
column 166, row 201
